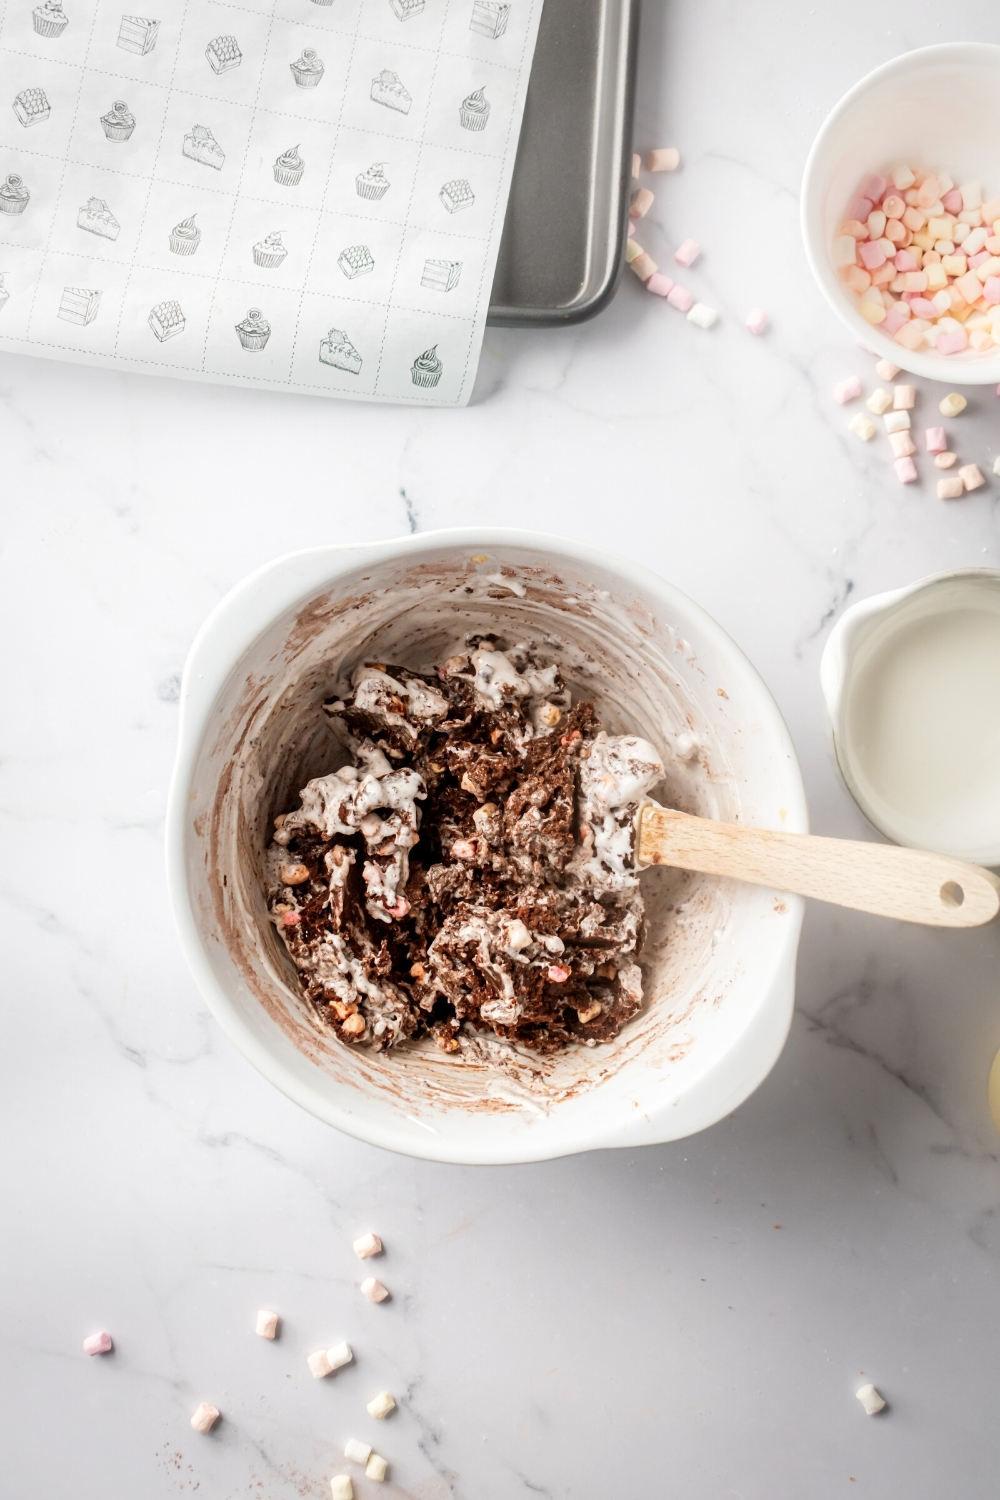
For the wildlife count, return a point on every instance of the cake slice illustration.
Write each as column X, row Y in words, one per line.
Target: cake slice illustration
column 270, row 252
column 32, row 107
column 119, row 122
column 373, row 183
column 50, row 19
column 356, row 260
column 78, row 305
column 200, row 144
column 254, row 331
column 136, row 34
column 289, row 167
column 185, row 237
column 426, row 368
column 489, row 18
column 5, row 298
column 13, row 195
column 474, row 111
column 166, row 320
column 337, row 350
column 308, row 69
column 405, row 10
column 96, row 218
column 441, row 275
column 223, row 54
column 456, row 195
column 387, row 90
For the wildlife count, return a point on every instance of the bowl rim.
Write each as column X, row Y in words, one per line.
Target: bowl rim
column 929, row 365
column 225, row 637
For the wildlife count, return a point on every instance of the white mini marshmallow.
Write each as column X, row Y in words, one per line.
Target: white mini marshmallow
column 863, row 427
column 879, row 401
column 374, row 1290
column 996, row 465
column 381, row 1405
column 903, row 397
column 845, row 250
column 972, row 195
column 703, row 316
column 358, row 1453
column 870, row 1399
column 341, row 1487
column 339, row 1355
column 367, row 1245
column 902, row 178
column 951, row 488
column 377, row 1467
column 848, row 389
column 886, row 370
column 267, row 1324
column 319, row 1365
column 971, row 476
column 205, row 1417
column 897, row 421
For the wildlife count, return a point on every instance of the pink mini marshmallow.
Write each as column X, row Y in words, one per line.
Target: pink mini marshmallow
column 903, row 397
column 874, row 188
column 367, row 1246
column 896, row 318
column 373, row 1289
column 921, row 307
column 991, row 289
column 631, row 229
column 911, row 335
column 680, row 298
column 952, row 201
column 860, row 209
column 756, row 320
column 951, row 488
column 902, row 444
column 914, row 281
column 935, row 440
column 98, row 1343
column 952, row 343
column 871, row 254
column 979, row 259
column 636, row 164
column 659, row 284
column 663, row 159
column 905, row 260
column 642, row 202
column 906, row 470
column 946, row 460
column 848, row 389
column 971, row 476
column 687, row 253
column 970, row 286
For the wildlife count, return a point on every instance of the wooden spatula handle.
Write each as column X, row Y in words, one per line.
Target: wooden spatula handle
column 880, row 878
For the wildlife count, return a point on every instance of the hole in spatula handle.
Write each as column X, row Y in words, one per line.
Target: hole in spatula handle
column 952, row 894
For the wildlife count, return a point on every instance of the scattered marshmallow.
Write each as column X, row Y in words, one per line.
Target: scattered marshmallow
column 902, row 444
column 377, row 1467
column 341, row 1487
column 659, row 284
column 267, row 1324
column 644, row 266
column 848, row 389
column 870, row 1399
column 879, row 401
column 367, row 1246
column 702, row 315
column 636, row 164
column 358, row 1453
column 756, row 320
column 319, row 1365
column 663, row 159
column 374, row 1290
column 996, row 465
column 687, row 253
column 903, row 397
column 205, row 1417
column 935, row 440
column 952, row 404
column 98, row 1343
column 863, row 427
column 885, row 369
column 339, row 1355
column 945, row 460
column 971, row 477
column 897, row 421
column 381, row 1405
column 632, row 251
column 680, row 297
column 906, row 470
column 642, row 202
column 951, row 488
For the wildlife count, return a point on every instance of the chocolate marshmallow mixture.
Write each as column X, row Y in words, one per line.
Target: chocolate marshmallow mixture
column 473, row 867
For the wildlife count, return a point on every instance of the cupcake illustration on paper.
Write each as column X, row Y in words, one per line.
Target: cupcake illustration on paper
column 13, row 195
column 474, row 111
column 119, row 122
column 185, row 237
column 49, row 19
column 426, row 368
column 307, row 70
column 270, row 252
column 289, row 167
column 372, row 184
column 254, row 331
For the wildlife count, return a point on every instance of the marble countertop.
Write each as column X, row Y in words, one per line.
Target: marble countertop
column 687, row 1320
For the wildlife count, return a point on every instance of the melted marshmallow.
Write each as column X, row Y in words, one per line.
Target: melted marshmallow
column 619, row 771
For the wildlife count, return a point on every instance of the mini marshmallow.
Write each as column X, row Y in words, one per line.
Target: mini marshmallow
column 945, row 460
column 952, row 404
column 902, row 444
column 863, row 427
column 319, row 1365
column 377, row 1467
column 659, row 284
column 341, row 1487
column 644, row 266
column 642, row 202
column 358, row 1453
column 98, row 1343
column 636, row 164
column 680, row 298
column 971, row 476
column 687, row 253
column 703, row 316
column 950, row 489
column 374, row 1290
column 848, row 389
column 972, row 195
column 267, row 1324
column 367, row 1245
column 906, row 470
column 902, row 178
column 205, row 1417
column 381, row 1405
column 663, row 159
column 632, row 251
column 339, row 1355
column 897, row 421
column 996, row 465
column 903, row 397
column 879, row 401
column 886, row 370
column 845, row 250
column 757, row 319
column 935, row 440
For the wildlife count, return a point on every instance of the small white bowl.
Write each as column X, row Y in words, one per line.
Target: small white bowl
column 719, row 962
column 939, row 106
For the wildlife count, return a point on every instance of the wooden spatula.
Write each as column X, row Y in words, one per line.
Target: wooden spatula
column 889, row 881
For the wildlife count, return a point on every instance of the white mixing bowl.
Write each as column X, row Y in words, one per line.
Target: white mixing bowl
column 938, row 106
column 719, row 961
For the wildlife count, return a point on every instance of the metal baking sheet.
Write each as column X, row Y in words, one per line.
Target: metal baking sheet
column 563, row 245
